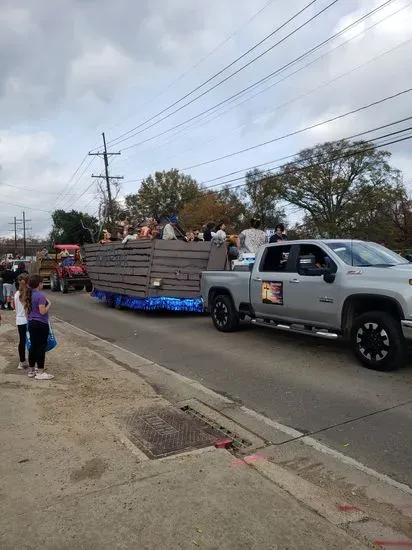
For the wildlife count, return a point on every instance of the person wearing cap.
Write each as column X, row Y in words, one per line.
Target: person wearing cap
column 169, row 233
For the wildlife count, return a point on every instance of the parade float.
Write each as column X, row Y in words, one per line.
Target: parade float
column 147, row 275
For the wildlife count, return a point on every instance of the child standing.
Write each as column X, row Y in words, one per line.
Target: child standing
column 37, row 308
column 21, row 320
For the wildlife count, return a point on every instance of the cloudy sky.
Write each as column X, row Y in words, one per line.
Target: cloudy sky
column 70, row 69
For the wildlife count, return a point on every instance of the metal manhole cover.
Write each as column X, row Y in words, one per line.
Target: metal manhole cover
column 163, row 431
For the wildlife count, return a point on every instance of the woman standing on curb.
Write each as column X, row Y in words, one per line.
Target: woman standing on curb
column 37, row 310
column 21, row 320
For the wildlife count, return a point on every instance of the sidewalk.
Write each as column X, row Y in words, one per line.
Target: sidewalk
column 70, row 478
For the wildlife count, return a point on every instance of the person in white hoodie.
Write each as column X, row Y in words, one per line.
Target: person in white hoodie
column 21, row 320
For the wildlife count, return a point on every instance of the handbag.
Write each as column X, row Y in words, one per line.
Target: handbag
column 51, row 339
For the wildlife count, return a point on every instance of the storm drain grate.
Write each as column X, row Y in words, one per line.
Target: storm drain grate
column 164, row 431
column 238, row 441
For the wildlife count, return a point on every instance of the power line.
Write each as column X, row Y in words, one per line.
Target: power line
column 84, row 193
column 75, row 182
column 352, row 153
column 243, row 170
column 288, row 157
column 118, row 140
column 37, row 191
column 258, row 82
column 23, row 206
column 72, row 177
column 372, row 140
column 296, row 132
column 198, row 63
column 306, row 94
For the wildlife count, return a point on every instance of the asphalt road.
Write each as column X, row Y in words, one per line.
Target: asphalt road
column 314, row 386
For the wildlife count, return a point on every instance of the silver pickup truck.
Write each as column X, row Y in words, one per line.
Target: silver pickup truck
column 350, row 289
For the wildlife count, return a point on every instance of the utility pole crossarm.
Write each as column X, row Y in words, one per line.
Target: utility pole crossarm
column 107, row 177
column 24, row 221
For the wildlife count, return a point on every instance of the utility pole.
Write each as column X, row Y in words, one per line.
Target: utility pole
column 24, row 223
column 107, row 177
column 14, row 224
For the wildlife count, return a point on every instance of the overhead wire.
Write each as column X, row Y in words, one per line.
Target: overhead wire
column 292, row 156
column 122, row 138
column 372, row 148
column 224, row 184
column 306, row 94
column 72, row 177
column 261, row 80
column 300, row 131
column 287, row 157
column 37, row 191
column 348, row 154
column 63, row 195
column 198, row 63
column 65, row 202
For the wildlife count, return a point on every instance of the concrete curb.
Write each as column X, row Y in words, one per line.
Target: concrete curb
column 179, row 389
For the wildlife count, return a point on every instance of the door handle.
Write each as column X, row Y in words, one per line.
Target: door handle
column 295, row 281
column 257, row 279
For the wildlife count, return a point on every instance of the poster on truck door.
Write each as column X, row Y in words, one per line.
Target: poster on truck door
column 272, row 293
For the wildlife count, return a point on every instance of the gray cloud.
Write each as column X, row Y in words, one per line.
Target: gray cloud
column 69, row 66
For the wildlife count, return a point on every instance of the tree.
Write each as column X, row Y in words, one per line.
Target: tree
column 262, row 198
column 117, row 211
column 337, row 183
column 73, row 228
column 211, row 206
column 164, row 194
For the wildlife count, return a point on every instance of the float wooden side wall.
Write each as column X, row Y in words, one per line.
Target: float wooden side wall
column 133, row 268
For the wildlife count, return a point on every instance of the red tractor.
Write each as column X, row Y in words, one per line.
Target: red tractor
column 70, row 272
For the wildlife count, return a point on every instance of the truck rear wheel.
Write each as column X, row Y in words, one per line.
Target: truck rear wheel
column 378, row 342
column 224, row 314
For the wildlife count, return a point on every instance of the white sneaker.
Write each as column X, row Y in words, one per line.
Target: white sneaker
column 32, row 372
column 43, row 375
column 22, row 366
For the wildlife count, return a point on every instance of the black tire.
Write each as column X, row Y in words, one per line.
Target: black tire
column 378, row 342
column 64, row 286
column 224, row 314
column 89, row 287
column 54, row 282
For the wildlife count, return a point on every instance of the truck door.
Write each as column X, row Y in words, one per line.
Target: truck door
column 269, row 292
column 312, row 299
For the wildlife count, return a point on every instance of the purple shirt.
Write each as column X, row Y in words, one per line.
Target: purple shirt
column 38, row 299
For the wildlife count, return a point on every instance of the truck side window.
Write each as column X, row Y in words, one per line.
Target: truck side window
column 275, row 258
column 314, row 256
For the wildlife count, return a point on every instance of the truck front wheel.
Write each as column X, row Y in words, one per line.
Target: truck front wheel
column 378, row 342
column 224, row 314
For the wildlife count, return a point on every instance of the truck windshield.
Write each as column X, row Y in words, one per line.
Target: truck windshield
column 361, row 254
